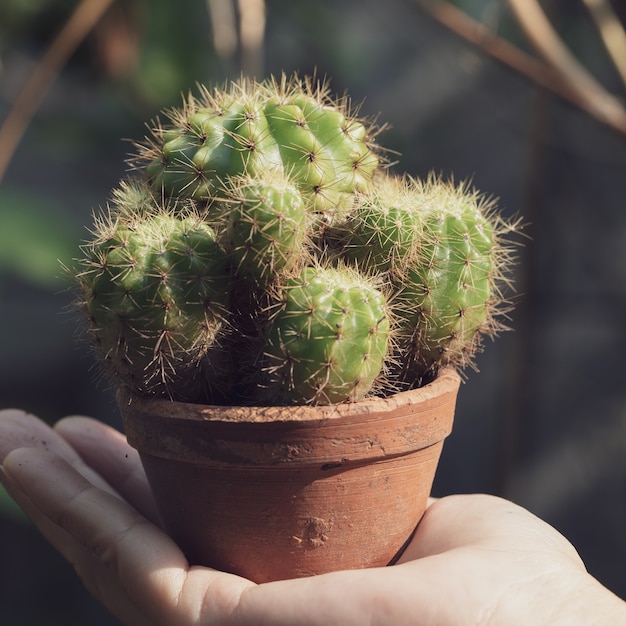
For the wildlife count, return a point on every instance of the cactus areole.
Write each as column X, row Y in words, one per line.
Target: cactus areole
column 260, row 252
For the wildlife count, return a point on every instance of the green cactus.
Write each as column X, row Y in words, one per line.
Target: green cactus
column 251, row 128
column 210, row 278
column 267, row 226
column 155, row 289
column 384, row 228
column 449, row 290
column 328, row 341
column 440, row 247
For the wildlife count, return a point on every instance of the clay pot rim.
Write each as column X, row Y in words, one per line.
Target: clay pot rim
column 447, row 379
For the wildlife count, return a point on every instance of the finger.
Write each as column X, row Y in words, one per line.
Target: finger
column 145, row 563
column 106, row 450
column 99, row 534
column 482, row 520
column 19, row 429
column 99, row 580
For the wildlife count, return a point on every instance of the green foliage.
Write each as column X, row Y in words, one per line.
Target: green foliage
column 51, row 238
column 18, row 16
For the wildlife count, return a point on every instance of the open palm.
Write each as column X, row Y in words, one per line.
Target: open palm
column 475, row 560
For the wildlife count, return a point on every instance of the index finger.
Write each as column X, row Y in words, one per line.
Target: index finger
column 146, row 566
column 106, row 450
column 19, row 429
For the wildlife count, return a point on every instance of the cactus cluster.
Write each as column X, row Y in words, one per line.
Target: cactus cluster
column 260, row 252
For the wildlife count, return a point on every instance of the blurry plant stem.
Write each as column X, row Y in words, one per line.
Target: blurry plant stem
column 224, row 23
column 29, row 99
column 558, row 72
column 612, row 32
column 248, row 38
column 252, row 33
column 588, row 92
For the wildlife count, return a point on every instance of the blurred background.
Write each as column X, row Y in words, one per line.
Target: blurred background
column 467, row 94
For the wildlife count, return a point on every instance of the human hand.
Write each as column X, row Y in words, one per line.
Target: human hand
column 473, row 560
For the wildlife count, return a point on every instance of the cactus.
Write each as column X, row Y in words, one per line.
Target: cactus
column 250, row 128
column 155, row 286
column 384, row 228
column 440, row 245
column 267, row 226
column 448, row 294
column 328, row 341
column 261, row 255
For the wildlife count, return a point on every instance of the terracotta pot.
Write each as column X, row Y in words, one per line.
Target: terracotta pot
column 281, row 492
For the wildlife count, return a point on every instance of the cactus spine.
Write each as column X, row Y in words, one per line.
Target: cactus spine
column 261, row 254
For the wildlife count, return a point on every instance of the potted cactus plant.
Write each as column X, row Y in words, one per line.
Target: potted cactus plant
column 285, row 320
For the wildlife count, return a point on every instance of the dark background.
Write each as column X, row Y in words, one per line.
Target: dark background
column 542, row 423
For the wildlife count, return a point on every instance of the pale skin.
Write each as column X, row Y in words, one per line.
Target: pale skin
column 475, row 560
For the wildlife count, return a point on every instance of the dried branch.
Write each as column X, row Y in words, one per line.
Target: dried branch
column 593, row 97
column 612, row 32
column 86, row 15
column 549, row 76
column 252, row 33
column 224, row 26
column 246, row 36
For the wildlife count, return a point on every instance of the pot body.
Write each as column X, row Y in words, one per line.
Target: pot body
column 281, row 492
